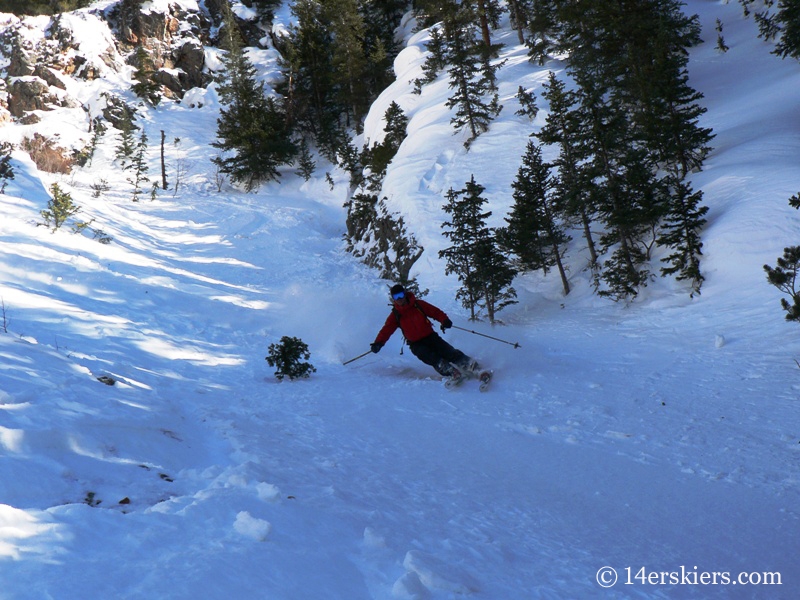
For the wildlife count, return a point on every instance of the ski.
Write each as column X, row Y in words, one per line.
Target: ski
column 455, row 380
column 485, row 379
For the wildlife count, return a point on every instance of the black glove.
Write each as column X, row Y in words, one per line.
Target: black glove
column 446, row 324
column 376, row 347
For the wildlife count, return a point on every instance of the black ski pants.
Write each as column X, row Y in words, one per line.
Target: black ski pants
column 434, row 351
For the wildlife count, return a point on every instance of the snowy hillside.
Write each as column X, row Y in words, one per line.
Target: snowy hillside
column 660, row 438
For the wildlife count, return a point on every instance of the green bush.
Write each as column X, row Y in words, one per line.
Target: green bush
column 59, row 208
column 286, row 356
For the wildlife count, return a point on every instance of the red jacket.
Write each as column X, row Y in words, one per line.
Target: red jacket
column 413, row 320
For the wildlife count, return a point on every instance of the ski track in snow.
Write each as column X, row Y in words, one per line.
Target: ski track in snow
column 396, row 487
column 659, row 435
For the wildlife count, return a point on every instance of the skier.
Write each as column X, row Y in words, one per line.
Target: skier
column 412, row 317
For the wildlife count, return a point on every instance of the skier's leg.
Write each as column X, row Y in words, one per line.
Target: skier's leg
column 452, row 355
column 427, row 351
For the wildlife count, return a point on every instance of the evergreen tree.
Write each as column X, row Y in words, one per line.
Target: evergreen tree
column 474, row 256
column 127, row 140
column 562, row 129
column 429, row 12
column 287, row 358
column 461, row 256
column 380, row 239
column 59, row 208
column 625, row 194
column 473, row 79
column 305, row 162
column 382, row 19
column 787, row 18
column 663, row 105
column 520, row 11
column 487, row 13
column 534, row 233
column 638, row 123
column 98, row 130
column 139, row 166
column 351, row 66
column 375, row 235
column 251, row 128
column 259, row 145
column 380, row 155
column 543, row 27
column 266, row 8
column 784, row 277
column 308, row 88
column 145, row 87
column 527, row 102
column 6, row 170
column 435, row 61
column 684, row 219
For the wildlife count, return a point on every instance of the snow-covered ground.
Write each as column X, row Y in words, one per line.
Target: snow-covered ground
column 660, row 439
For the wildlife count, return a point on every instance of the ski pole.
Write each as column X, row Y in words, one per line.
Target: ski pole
column 357, row 357
column 515, row 344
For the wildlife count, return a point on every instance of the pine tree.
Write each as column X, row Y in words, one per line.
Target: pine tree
column 543, row 26
column 145, row 87
column 534, row 233
column 305, row 162
column 311, row 99
column 127, row 140
column 382, row 19
column 460, row 257
column 351, row 67
column 473, row 78
column 784, row 277
column 98, row 130
column 287, row 357
column 681, row 227
column 474, row 257
column 266, row 8
column 139, row 166
column 787, row 18
column 638, row 123
column 380, row 239
column 59, row 208
column 562, row 129
column 487, row 13
column 380, row 155
column 6, row 169
column 520, row 11
column 527, row 102
column 625, row 194
column 435, row 60
column 251, row 128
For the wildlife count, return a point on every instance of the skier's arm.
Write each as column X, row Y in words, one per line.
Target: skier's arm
column 387, row 330
column 433, row 312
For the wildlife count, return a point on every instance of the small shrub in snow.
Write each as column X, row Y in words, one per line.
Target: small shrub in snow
column 4, row 315
column 59, row 208
column 287, row 355
column 6, row 170
column 784, row 277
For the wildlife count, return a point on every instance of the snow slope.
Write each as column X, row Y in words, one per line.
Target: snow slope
column 662, row 435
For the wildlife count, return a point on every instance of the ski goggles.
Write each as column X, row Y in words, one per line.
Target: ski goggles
column 399, row 295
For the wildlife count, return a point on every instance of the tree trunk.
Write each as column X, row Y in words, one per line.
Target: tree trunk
column 163, row 165
column 519, row 20
column 484, row 20
column 561, row 270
